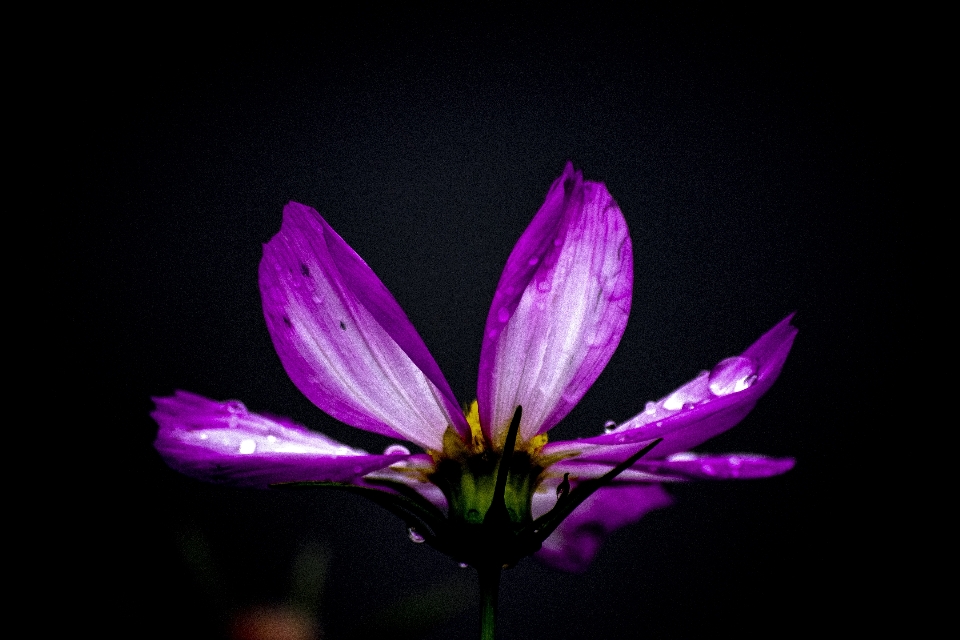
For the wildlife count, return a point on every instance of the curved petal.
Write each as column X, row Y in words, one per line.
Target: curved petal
column 344, row 340
column 706, row 406
column 222, row 442
column 573, row 545
column 559, row 309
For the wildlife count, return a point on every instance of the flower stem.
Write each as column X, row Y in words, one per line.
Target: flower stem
column 489, row 594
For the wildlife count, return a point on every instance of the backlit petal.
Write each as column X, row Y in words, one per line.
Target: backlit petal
column 677, row 467
column 706, row 406
column 225, row 443
column 559, row 309
column 344, row 340
column 573, row 545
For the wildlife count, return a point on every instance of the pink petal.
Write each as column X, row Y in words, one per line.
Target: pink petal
column 412, row 472
column 223, row 442
column 344, row 340
column 706, row 406
column 679, row 466
column 559, row 309
column 573, row 545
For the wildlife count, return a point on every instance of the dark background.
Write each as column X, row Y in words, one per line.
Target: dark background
column 752, row 157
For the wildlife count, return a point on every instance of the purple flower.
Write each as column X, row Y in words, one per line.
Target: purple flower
column 558, row 313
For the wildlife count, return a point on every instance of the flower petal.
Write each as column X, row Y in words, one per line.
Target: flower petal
column 730, row 466
column 344, row 340
column 678, row 467
column 706, row 406
column 225, row 443
column 573, row 545
column 559, row 309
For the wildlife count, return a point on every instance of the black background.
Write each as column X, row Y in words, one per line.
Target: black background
column 752, row 159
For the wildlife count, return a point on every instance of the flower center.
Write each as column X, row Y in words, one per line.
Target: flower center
column 489, row 488
column 467, row 473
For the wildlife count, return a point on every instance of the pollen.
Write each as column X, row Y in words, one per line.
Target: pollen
column 472, row 413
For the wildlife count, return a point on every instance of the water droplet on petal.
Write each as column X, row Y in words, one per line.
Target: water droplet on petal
column 248, row 446
column 650, row 408
column 235, row 407
column 689, row 405
column 532, row 261
column 732, row 375
column 271, row 439
column 204, row 436
column 609, row 426
column 543, row 286
column 414, row 536
column 396, row 450
column 674, row 402
column 593, row 337
column 557, row 241
column 462, row 565
column 503, row 314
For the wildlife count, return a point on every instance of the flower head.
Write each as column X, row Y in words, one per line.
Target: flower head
column 489, row 488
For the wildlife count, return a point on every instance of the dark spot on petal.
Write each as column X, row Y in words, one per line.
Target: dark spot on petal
column 305, row 270
column 343, row 326
column 287, row 322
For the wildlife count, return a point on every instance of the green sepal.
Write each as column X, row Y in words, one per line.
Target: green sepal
column 543, row 526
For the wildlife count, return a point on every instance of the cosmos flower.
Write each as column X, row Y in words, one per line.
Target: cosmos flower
column 489, row 487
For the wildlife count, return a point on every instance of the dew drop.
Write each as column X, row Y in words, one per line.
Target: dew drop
column 414, row 536
column 235, row 407
column 533, row 261
column 248, row 446
column 609, row 426
column 689, row 405
column 462, row 565
column 674, row 402
column 503, row 314
column 732, row 375
column 593, row 337
column 271, row 439
column 396, row 450
column 204, row 436
column 650, row 408
column 557, row 241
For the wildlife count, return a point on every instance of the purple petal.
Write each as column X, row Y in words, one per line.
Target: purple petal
column 730, row 466
column 678, row 467
column 572, row 546
column 706, row 406
column 344, row 340
column 222, row 442
column 412, row 472
column 559, row 309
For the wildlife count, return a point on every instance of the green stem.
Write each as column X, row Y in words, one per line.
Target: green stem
column 489, row 594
